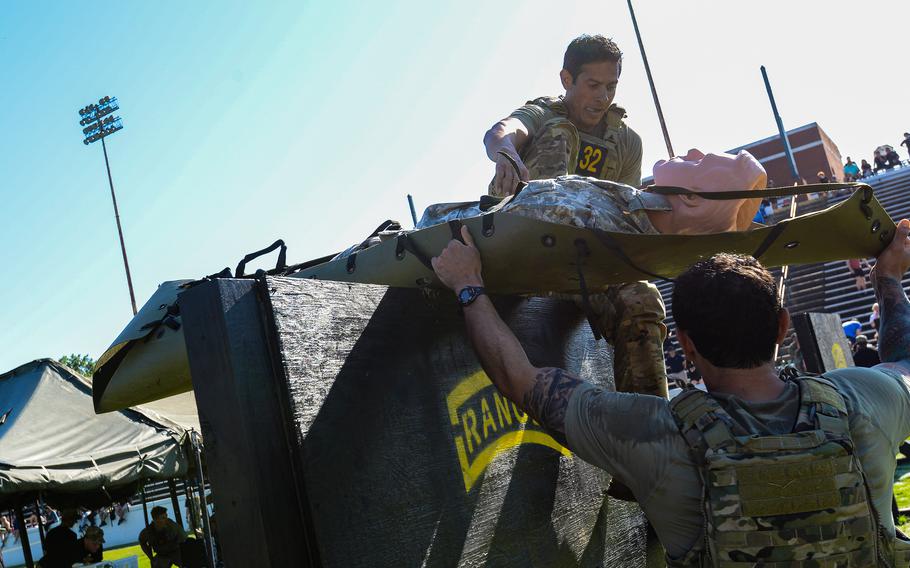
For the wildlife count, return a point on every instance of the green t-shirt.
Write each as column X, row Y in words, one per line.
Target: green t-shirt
column 635, row 438
column 612, row 152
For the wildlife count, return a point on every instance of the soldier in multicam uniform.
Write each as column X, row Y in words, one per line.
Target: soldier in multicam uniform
column 760, row 470
column 582, row 132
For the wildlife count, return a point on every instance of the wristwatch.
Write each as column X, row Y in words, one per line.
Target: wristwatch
column 468, row 294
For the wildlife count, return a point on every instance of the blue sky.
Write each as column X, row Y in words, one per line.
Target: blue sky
column 245, row 122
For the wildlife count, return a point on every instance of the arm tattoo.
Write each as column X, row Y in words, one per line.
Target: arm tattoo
column 894, row 326
column 548, row 399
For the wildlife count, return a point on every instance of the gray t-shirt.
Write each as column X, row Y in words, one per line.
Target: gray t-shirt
column 635, row 438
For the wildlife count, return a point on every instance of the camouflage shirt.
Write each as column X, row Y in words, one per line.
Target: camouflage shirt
column 612, row 152
column 636, row 438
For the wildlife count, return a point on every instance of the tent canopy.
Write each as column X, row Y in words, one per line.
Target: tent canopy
column 52, row 441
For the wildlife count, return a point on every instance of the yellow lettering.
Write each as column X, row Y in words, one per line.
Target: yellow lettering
column 488, row 421
column 519, row 414
column 502, row 409
column 469, row 431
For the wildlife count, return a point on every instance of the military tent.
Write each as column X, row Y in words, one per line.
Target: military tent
column 53, row 443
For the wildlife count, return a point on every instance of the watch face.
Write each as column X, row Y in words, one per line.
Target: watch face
column 465, row 295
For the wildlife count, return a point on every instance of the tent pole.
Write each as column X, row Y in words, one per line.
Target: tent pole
column 23, row 538
column 190, row 505
column 207, row 529
column 174, row 502
column 41, row 530
column 145, row 507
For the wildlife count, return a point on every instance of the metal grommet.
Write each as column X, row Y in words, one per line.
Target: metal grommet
column 351, row 269
column 399, row 254
column 876, row 225
column 488, row 232
column 791, row 245
column 548, row 240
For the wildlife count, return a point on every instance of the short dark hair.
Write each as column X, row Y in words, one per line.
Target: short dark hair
column 728, row 306
column 590, row 49
column 157, row 511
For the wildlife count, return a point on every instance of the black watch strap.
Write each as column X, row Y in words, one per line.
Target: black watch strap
column 468, row 294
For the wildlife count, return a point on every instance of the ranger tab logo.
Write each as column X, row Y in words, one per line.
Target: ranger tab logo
column 485, row 424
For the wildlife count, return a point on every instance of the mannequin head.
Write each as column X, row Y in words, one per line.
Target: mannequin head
column 708, row 172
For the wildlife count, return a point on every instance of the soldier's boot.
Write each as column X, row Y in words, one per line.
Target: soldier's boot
column 553, row 151
column 630, row 316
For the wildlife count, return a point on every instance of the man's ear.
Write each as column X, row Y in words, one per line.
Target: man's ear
column 566, row 79
column 688, row 346
column 783, row 324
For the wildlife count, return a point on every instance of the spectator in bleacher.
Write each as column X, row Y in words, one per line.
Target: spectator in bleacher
column 906, row 141
column 857, row 269
column 851, row 170
column 863, row 354
column 874, row 317
column 892, row 159
column 867, row 169
column 822, row 178
column 880, row 163
column 851, row 330
column 676, row 365
column 6, row 529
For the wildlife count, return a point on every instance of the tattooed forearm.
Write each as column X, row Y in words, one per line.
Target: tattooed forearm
column 894, row 329
column 548, row 400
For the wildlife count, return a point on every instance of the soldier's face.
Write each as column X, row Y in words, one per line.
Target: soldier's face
column 591, row 93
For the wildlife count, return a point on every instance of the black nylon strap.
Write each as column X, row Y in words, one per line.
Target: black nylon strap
column 756, row 193
column 521, row 184
column 487, row 223
column 455, row 227
column 769, row 240
column 404, row 243
column 582, row 250
column 608, row 241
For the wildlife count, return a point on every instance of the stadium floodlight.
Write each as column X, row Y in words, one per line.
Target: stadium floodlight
column 99, row 123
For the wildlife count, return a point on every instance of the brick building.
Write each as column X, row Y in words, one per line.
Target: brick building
column 812, row 149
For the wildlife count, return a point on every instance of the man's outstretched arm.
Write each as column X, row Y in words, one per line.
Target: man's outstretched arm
column 894, row 329
column 508, row 135
column 542, row 392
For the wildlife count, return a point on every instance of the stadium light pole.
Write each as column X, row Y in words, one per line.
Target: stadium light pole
column 99, row 122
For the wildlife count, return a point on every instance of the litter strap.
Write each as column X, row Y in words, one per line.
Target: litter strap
column 757, row 193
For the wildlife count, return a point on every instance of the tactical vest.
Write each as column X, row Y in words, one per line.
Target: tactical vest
column 797, row 499
column 590, row 155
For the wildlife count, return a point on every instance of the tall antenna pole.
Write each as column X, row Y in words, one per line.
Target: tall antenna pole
column 794, row 172
column 644, row 58
column 783, row 133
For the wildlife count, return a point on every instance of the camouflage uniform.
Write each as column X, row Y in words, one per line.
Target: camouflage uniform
column 629, row 316
column 809, row 473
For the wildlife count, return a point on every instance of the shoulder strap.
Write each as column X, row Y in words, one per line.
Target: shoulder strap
column 702, row 422
column 821, row 406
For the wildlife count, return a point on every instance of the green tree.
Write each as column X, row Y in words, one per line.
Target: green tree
column 82, row 364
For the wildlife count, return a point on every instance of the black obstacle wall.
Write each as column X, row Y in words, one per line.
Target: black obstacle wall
column 351, row 425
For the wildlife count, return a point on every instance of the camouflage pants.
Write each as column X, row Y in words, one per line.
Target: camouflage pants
column 630, row 317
